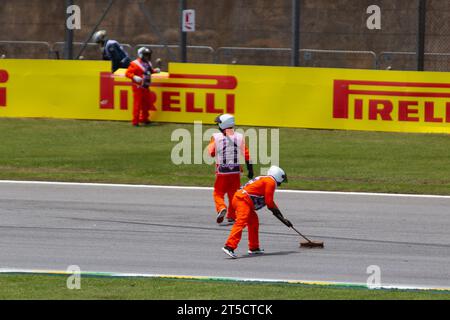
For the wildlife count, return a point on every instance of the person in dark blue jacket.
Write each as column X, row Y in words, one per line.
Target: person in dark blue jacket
column 112, row 50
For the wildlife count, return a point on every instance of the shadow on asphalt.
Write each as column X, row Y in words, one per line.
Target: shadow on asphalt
column 279, row 253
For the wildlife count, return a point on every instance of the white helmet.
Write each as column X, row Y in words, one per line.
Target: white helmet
column 278, row 174
column 225, row 121
column 145, row 52
column 99, row 36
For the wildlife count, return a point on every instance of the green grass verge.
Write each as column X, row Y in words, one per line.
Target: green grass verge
column 54, row 287
column 116, row 152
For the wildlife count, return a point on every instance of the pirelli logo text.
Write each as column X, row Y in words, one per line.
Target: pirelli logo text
column 3, row 79
column 177, row 93
column 392, row 101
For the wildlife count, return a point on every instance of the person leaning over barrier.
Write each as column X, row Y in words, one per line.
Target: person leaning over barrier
column 112, row 50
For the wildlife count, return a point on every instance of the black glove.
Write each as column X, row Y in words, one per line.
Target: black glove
column 277, row 213
column 249, row 169
column 288, row 223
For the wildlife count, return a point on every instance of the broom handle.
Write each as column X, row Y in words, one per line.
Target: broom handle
column 301, row 234
column 291, row 226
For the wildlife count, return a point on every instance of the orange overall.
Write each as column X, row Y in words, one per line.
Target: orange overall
column 141, row 92
column 227, row 181
column 256, row 194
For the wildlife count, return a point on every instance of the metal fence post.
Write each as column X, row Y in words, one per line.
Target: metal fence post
column 183, row 35
column 295, row 33
column 421, row 35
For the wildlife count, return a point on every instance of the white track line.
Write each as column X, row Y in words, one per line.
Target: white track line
column 112, row 185
column 232, row 279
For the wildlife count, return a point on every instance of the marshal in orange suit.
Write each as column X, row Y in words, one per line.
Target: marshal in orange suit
column 256, row 194
column 228, row 147
column 140, row 71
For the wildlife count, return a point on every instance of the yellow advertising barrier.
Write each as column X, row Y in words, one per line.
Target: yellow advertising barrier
column 257, row 95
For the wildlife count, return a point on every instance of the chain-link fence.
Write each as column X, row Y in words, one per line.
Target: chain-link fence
column 437, row 35
column 332, row 33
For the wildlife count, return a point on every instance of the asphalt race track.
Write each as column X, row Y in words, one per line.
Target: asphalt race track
column 173, row 231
